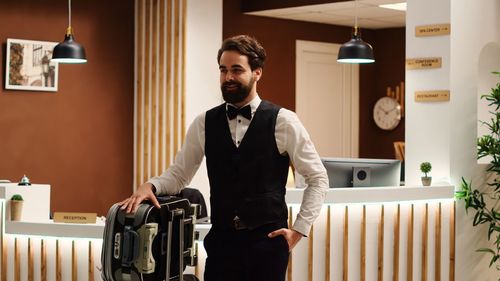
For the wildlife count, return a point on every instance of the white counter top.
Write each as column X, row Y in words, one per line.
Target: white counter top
column 377, row 194
column 293, row 196
column 52, row 229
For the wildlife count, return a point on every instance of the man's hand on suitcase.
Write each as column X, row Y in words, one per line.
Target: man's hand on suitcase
column 144, row 192
column 291, row 236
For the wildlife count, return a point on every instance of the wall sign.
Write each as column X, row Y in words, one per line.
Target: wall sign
column 75, row 217
column 432, row 30
column 432, row 96
column 423, row 63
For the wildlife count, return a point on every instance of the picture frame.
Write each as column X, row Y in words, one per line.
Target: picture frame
column 28, row 66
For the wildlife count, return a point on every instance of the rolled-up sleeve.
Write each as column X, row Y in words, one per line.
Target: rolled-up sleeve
column 293, row 139
column 186, row 163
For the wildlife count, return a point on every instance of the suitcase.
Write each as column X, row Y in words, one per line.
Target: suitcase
column 152, row 244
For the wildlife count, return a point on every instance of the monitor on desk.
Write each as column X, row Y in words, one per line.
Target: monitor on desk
column 359, row 172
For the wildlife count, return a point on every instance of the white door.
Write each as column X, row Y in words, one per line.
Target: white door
column 327, row 98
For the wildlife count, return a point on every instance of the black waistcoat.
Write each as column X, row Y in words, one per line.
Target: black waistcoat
column 246, row 181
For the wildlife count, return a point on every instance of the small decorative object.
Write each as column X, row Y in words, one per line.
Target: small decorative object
column 24, row 181
column 16, row 207
column 426, row 167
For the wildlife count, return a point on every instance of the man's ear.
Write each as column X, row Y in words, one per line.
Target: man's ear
column 258, row 73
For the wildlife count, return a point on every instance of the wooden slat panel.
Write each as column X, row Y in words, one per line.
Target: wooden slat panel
column 409, row 252
column 74, row 262
column 168, row 97
column 161, row 90
column 437, row 244
column 17, row 260
column 310, row 258
column 31, row 269
column 91, row 262
column 328, row 243
column 395, row 261
column 345, row 261
column 452, row 242
column 176, row 75
column 425, row 241
column 380, row 246
column 43, row 261
column 147, row 93
column 139, row 96
column 290, row 223
column 160, row 86
column 58, row 262
column 183, row 70
column 154, row 93
column 4, row 256
column 363, row 246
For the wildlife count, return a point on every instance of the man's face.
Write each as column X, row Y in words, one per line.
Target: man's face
column 237, row 80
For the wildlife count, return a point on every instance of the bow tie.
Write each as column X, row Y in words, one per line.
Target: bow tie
column 245, row 111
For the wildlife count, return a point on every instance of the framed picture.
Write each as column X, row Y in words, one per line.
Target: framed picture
column 28, row 66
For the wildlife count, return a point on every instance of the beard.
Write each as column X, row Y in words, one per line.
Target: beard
column 235, row 92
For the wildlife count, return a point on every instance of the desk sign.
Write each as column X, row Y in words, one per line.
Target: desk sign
column 423, row 63
column 75, row 217
column 432, row 96
column 432, row 30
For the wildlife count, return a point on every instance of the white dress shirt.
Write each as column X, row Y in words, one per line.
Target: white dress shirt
column 291, row 138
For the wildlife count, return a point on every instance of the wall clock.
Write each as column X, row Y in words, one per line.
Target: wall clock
column 387, row 113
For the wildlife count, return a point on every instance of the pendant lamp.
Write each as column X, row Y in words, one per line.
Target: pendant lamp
column 69, row 51
column 356, row 50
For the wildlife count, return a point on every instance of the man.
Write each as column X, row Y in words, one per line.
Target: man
column 248, row 144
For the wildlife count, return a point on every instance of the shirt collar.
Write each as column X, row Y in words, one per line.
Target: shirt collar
column 254, row 104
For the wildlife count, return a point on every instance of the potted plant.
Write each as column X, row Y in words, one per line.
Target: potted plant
column 16, row 207
column 426, row 167
column 485, row 199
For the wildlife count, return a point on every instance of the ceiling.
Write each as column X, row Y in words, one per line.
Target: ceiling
column 369, row 15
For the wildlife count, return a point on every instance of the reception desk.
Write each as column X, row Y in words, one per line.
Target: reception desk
column 361, row 234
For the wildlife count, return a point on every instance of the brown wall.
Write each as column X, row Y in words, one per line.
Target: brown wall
column 278, row 36
column 80, row 138
column 387, row 71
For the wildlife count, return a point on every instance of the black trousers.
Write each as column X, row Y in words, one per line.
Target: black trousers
column 245, row 255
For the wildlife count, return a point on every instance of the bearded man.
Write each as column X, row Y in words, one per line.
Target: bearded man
column 249, row 144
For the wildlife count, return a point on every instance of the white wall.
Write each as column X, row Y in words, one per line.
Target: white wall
column 445, row 133
column 427, row 124
column 204, row 36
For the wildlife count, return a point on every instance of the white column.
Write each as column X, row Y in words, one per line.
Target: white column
column 204, row 37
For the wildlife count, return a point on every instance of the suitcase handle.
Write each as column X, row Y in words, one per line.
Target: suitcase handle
column 130, row 244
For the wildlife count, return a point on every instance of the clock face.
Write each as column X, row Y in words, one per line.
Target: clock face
column 387, row 113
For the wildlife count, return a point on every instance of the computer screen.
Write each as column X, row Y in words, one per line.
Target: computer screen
column 362, row 172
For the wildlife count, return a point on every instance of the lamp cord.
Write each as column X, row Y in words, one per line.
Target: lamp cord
column 69, row 13
column 355, row 13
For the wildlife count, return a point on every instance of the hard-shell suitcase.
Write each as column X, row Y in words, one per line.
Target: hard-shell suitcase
column 151, row 244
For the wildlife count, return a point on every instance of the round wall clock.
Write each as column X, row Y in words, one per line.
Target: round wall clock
column 387, row 113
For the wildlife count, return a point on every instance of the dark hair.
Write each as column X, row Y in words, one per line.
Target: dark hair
column 247, row 46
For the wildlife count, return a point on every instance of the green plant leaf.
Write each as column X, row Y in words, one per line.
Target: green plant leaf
column 486, row 250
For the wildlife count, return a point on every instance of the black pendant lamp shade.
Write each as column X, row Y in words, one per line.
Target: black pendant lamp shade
column 356, row 50
column 69, row 51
